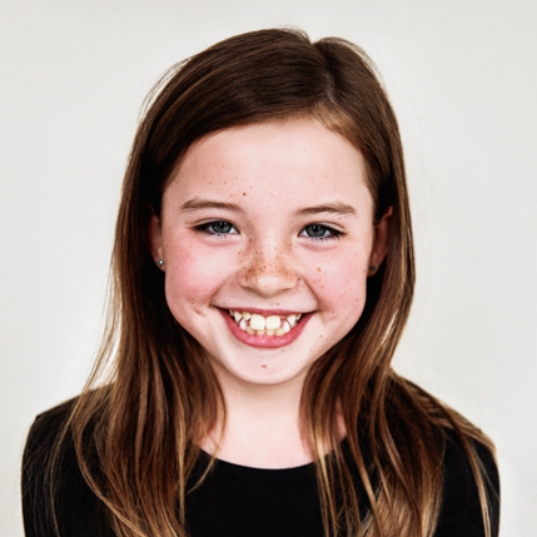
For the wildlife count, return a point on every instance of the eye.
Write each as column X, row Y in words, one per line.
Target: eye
column 320, row 232
column 217, row 227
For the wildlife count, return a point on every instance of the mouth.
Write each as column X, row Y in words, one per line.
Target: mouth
column 272, row 330
column 260, row 325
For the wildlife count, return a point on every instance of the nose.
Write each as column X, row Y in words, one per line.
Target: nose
column 268, row 270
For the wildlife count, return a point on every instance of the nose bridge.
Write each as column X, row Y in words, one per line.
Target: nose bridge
column 269, row 266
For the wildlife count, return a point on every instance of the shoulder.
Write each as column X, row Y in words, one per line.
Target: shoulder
column 461, row 514
column 42, row 440
column 52, row 483
column 47, row 426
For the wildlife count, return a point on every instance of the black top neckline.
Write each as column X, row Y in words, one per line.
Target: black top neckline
column 258, row 474
column 253, row 473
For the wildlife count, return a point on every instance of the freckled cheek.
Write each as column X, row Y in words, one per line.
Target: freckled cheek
column 341, row 286
column 194, row 276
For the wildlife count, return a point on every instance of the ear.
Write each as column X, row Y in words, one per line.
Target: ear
column 154, row 236
column 380, row 242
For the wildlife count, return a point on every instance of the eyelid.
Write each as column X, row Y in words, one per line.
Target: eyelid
column 204, row 227
column 328, row 225
column 334, row 232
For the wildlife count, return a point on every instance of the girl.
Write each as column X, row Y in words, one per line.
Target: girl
column 262, row 275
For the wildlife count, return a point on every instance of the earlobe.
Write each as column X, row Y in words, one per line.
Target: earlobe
column 154, row 235
column 380, row 242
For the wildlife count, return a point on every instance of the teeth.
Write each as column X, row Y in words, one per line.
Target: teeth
column 272, row 322
column 273, row 325
column 257, row 322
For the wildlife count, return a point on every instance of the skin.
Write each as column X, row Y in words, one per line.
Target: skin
column 267, row 253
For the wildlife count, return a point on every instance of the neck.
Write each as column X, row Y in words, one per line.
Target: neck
column 262, row 426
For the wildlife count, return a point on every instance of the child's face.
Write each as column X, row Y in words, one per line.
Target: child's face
column 270, row 221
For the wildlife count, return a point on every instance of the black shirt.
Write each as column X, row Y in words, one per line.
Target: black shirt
column 233, row 500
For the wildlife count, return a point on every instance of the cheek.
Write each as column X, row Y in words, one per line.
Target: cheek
column 341, row 283
column 190, row 277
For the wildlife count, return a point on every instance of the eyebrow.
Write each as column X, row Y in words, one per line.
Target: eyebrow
column 198, row 204
column 335, row 208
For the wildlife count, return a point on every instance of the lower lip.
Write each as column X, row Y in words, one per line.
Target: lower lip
column 265, row 342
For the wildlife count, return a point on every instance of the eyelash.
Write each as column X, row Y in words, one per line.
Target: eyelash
column 208, row 229
column 333, row 233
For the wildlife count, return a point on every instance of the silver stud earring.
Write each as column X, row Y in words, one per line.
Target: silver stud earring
column 160, row 263
column 373, row 268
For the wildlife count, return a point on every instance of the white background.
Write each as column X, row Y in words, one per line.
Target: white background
column 462, row 75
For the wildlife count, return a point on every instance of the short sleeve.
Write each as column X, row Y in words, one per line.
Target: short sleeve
column 460, row 514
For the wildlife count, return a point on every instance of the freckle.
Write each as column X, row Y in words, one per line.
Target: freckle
column 264, row 366
column 244, row 193
column 318, row 269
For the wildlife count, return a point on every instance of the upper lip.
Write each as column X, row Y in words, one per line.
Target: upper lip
column 266, row 312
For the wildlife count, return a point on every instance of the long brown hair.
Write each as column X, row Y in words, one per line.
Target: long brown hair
column 162, row 398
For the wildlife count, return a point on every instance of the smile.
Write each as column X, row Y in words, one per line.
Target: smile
column 272, row 325
column 270, row 331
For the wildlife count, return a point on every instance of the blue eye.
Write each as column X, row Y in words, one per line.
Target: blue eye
column 320, row 232
column 218, row 227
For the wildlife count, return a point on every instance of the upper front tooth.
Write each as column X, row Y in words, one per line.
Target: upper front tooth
column 257, row 322
column 272, row 322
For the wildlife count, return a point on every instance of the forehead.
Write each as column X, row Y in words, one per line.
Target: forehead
column 297, row 160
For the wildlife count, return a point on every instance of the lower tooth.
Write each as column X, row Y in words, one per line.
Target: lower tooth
column 279, row 332
column 270, row 332
column 249, row 330
column 260, row 332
